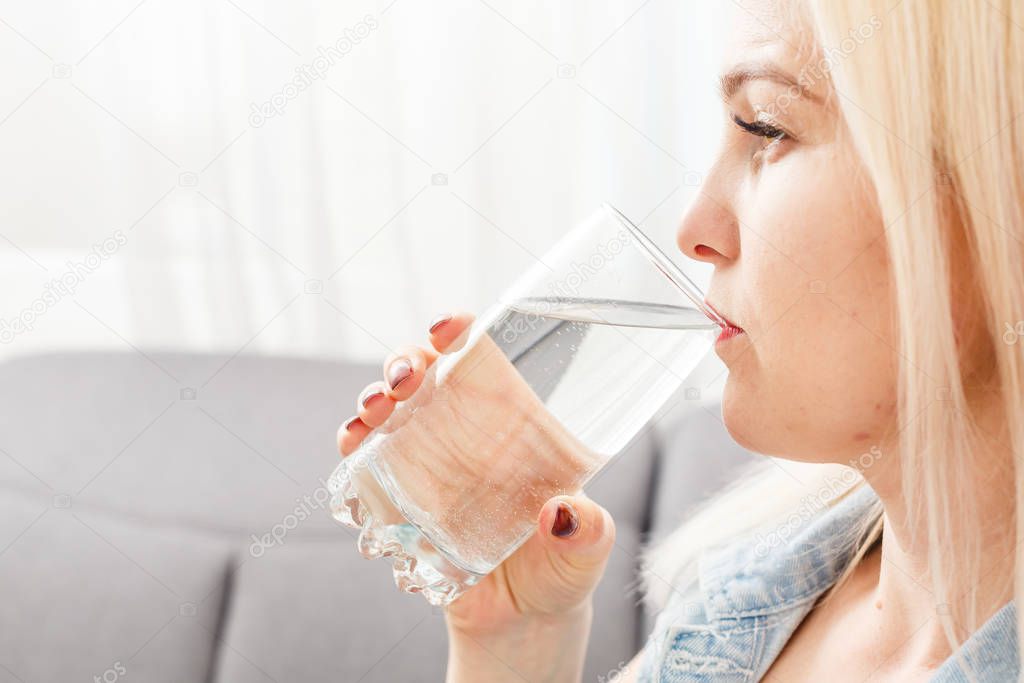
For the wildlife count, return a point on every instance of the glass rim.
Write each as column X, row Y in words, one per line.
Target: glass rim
column 667, row 267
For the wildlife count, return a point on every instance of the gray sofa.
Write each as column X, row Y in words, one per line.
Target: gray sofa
column 161, row 519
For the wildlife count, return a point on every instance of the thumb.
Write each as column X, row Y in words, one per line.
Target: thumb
column 577, row 530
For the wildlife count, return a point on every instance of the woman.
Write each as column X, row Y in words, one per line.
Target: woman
column 864, row 220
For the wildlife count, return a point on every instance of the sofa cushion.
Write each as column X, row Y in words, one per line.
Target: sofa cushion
column 87, row 592
column 142, row 495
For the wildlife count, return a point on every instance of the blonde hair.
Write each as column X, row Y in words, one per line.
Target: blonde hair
column 933, row 100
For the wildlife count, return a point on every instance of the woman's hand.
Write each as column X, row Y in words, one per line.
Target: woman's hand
column 548, row 581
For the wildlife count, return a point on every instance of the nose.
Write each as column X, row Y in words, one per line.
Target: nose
column 709, row 231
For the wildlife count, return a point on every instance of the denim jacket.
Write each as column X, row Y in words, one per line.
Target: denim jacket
column 750, row 596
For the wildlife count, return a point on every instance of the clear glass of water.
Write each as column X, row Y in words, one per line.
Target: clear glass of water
column 541, row 391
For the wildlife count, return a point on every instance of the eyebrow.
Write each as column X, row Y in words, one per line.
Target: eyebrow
column 734, row 79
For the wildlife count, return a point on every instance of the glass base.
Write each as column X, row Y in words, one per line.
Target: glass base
column 359, row 501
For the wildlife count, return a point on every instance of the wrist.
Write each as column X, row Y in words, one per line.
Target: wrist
column 537, row 647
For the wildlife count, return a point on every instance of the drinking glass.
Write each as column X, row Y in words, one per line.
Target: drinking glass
column 532, row 401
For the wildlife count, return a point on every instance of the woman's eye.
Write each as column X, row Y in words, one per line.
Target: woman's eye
column 770, row 133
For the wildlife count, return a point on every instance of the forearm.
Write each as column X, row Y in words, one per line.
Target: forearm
column 539, row 650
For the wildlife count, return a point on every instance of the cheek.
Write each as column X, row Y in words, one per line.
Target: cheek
column 818, row 381
column 826, row 401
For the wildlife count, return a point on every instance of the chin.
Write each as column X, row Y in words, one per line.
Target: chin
column 763, row 423
column 742, row 426
column 759, row 424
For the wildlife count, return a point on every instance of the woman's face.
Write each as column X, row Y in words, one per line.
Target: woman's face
column 791, row 225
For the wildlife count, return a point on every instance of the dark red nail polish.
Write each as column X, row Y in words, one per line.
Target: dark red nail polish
column 566, row 521
column 439, row 322
column 347, row 424
column 398, row 372
column 365, row 399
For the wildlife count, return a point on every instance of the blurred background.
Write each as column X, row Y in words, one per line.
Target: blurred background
column 218, row 216
column 320, row 178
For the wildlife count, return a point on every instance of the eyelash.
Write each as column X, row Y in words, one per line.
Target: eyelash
column 761, row 129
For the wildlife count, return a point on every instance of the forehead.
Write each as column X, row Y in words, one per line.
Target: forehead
column 772, row 32
column 766, row 30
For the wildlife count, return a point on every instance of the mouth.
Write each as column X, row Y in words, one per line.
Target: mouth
column 730, row 329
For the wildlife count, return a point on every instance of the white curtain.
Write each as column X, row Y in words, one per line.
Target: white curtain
column 150, row 200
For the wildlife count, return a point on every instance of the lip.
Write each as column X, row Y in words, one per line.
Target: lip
column 728, row 323
column 729, row 328
column 728, row 333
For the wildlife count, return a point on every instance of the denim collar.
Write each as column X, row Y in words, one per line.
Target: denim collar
column 777, row 580
column 990, row 654
column 785, row 568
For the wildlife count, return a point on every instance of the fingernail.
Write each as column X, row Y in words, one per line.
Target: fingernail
column 369, row 395
column 398, row 372
column 566, row 521
column 439, row 322
column 347, row 424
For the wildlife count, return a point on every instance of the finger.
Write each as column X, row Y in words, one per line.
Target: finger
column 403, row 371
column 446, row 331
column 351, row 434
column 374, row 405
column 577, row 530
